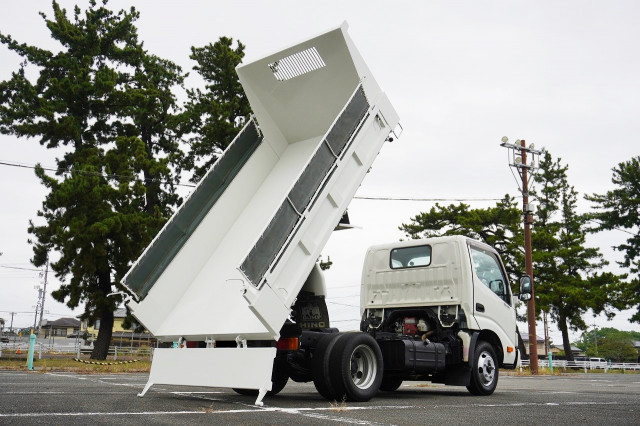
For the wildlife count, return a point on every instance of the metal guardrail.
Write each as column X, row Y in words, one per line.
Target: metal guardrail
column 584, row 365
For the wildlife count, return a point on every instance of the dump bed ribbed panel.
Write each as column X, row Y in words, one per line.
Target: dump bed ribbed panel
column 291, row 213
column 177, row 231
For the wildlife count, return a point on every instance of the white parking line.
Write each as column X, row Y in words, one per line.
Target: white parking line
column 326, row 413
column 62, row 392
column 98, row 379
column 316, row 412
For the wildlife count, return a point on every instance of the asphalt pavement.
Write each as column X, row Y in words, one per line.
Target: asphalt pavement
column 67, row 398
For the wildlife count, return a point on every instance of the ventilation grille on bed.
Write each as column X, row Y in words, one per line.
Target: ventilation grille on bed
column 297, row 64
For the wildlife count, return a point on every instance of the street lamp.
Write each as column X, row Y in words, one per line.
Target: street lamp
column 519, row 151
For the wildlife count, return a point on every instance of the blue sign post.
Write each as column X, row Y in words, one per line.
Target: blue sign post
column 32, row 345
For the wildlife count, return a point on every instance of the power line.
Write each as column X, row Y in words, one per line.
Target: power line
column 345, row 286
column 422, row 199
column 343, row 304
column 343, row 297
column 613, row 227
column 25, row 269
column 378, row 198
column 53, row 314
column 357, row 197
column 111, row 176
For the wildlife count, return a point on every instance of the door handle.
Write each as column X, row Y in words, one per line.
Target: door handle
column 479, row 307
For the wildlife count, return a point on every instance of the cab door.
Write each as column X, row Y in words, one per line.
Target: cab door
column 492, row 302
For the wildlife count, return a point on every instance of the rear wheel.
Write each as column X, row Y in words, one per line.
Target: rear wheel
column 320, row 365
column 484, row 370
column 356, row 367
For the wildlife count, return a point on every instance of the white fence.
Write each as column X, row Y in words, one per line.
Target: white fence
column 584, row 365
column 77, row 349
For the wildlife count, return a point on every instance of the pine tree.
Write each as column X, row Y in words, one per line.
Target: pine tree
column 567, row 274
column 107, row 104
column 619, row 209
column 215, row 115
column 565, row 271
column 497, row 226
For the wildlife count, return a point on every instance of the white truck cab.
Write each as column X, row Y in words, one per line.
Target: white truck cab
column 462, row 280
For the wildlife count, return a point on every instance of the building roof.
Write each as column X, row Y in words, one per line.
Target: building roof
column 118, row 313
column 64, row 323
column 525, row 337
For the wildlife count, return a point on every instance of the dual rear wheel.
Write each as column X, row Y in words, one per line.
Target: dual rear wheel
column 347, row 366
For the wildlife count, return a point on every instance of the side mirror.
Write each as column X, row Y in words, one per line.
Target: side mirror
column 525, row 288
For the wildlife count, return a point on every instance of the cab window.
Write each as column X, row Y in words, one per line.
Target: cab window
column 487, row 268
column 410, row 257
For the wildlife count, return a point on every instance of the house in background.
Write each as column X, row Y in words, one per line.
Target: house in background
column 120, row 336
column 539, row 343
column 63, row 327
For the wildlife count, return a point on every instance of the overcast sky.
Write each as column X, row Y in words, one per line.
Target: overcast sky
column 461, row 75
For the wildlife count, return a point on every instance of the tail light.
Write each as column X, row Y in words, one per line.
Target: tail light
column 288, row 344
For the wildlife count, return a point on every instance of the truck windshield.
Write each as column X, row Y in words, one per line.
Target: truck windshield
column 488, row 270
column 410, row 257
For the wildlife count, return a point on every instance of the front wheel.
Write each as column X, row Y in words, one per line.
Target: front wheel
column 484, row 370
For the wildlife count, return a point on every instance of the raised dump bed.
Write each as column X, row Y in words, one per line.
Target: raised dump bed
column 232, row 260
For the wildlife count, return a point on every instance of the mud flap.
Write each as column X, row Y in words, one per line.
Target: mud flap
column 454, row 376
column 246, row 368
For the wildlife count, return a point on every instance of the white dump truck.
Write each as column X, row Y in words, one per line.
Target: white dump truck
column 232, row 277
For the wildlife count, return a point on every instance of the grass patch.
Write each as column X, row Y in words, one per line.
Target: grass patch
column 68, row 364
column 339, row 406
column 542, row 371
column 561, row 371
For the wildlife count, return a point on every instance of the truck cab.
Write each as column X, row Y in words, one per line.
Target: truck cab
column 451, row 290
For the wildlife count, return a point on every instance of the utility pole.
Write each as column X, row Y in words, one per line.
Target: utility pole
column 35, row 320
column 44, row 291
column 519, row 151
column 546, row 333
column 11, row 326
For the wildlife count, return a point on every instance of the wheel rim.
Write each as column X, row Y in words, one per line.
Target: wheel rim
column 486, row 368
column 363, row 366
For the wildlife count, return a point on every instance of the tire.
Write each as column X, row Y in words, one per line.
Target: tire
column 279, row 379
column 320, row 366
column 356, row 367
column 390, row 384
column 484, row 370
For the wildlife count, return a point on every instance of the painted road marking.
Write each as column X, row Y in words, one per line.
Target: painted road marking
column 297, row 410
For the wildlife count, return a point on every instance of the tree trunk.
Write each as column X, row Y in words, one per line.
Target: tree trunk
column 101, row 345
column 562, row 324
